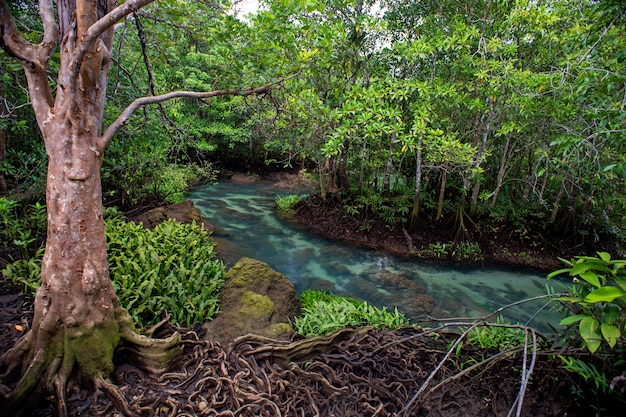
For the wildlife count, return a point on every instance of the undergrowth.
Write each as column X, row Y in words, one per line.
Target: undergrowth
column 322, row 313
column 170, row 271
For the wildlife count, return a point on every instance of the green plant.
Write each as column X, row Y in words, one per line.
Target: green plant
column 171, row 182
column 26, row 272
column 323, row 313
column 286, row 203
column 438, row 250
column 596, row 302
column 467, row 251
column 498, row 336
column 23, row 227
column 171, row 270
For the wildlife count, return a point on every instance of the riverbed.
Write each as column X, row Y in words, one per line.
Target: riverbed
column 249, row 225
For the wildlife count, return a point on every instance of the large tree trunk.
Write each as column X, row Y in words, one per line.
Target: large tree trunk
column 77, row 323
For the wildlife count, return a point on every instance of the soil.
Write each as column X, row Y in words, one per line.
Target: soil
column 356, row 372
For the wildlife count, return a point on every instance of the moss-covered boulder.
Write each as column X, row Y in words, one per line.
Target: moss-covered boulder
column 255, row 299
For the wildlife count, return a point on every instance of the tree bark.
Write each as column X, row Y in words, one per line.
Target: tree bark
column 442, row 193
column 418, row 185
column 389, row 163
column 3, row 155
column 504, row 159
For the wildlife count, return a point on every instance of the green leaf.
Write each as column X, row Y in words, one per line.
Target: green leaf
column 604, row 256
column 559, row 272
column 621, row 282
column 604, row 294
column 591, row 277
column 572, row 319
column 611, row 333
column 588, row 328
column 611, row 314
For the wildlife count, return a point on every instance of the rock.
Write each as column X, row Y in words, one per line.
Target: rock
column 386, row 280
column 255, row 299
column 244, row 179
column 184, row 212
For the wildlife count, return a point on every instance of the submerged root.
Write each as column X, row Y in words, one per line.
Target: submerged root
column 47, row 361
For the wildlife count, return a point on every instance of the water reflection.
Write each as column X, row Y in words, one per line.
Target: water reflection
column 253, row 228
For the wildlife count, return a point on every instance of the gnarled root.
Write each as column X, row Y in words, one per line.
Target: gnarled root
column 50, row 357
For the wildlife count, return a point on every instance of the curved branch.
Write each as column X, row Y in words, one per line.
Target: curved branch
column 123, row 118
column 34, row 58
column 13, row 42
column 102, row 25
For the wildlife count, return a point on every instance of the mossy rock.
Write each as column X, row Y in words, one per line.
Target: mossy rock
column 255, row 299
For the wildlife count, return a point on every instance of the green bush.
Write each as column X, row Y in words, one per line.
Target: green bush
column 596, row 302
column 323, row 313
column 286, row 203
column 22, row 226
column 171, row 182
column 498, row 337
column 171, row 270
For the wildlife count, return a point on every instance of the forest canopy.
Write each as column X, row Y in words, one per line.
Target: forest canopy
column 501, row 110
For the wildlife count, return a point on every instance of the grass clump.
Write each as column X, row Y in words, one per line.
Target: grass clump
column 324, row 313
column 286, row 203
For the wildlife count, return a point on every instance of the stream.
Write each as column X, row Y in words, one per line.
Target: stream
column 249, row 225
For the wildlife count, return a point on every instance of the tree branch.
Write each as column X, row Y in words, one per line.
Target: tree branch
column 12, row 42
column 100, row 26
column 123, row 118
column 34, row 58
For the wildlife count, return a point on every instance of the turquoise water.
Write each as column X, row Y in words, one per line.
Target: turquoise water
column 250, row 226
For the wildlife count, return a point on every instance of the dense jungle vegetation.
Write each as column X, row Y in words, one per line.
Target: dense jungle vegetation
column 479, row 115
column 497, row 111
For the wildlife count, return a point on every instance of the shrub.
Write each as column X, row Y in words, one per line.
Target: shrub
column 171, row 270
column 596, row 302
column 286, row 203
column 172, row 182
column 323, row 313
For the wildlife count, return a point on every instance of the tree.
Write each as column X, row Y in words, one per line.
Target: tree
column 78, row 322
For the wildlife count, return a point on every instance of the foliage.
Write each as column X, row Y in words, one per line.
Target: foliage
column 439, row 250
column 25, row 272
column 172, row 181
column 467, row 251
column 169, row 271
column 499, row 336
column 22, row 226
column 286, row 203
column 597, row 299
column 323, row 313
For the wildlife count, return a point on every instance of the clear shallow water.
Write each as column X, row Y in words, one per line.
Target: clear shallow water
column 252, row 227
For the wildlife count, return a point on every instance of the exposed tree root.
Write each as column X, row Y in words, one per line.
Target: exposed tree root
column 50, row 357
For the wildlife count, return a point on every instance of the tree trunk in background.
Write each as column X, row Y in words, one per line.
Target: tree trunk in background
column 442, row 193
column 3, row 155
column 418, row 185
column 389, row 163
column 501, row 171
column 480, row 155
